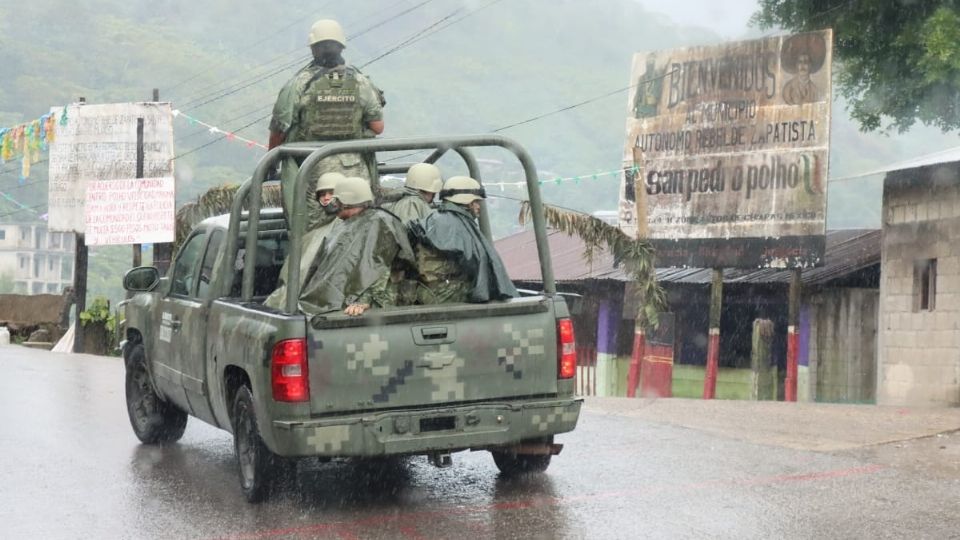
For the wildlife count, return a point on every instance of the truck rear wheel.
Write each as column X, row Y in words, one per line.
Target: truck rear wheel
column 511, row 464
column 261, row 471
column 154, row 421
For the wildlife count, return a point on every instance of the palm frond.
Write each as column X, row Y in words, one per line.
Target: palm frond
column 215, row 201
column 635, row 255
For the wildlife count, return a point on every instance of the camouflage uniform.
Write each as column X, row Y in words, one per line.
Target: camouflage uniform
column 410, row 207
column 441, row 278
column 312, row 242
column 288, row 118
column 456, row 263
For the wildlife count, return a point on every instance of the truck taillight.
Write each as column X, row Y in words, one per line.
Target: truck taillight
column 288, row 371
column 566, row 350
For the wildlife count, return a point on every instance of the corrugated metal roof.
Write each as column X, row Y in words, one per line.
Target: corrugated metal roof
column 950, row 155
column 848, row 251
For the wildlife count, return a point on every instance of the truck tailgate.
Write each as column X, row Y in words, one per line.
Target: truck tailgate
column 429, row 355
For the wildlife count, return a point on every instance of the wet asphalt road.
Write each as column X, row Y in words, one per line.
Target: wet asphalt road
column 72, row 468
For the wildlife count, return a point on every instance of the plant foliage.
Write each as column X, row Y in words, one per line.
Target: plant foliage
column 214, row 202
column 898, row 61
column 636, row 256
column 99, row 312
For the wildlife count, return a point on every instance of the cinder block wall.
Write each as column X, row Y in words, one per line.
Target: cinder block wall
column 843, row 348
column 919, row 361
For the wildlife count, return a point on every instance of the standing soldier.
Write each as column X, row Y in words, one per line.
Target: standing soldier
column 421, row 186
column 326, row 101
column 455, row 261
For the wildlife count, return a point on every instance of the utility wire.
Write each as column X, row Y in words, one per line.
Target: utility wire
column 216, row 95
column 581, row 103
column 411, row 39
column 229, row 121
column 194, row 105
column 430, row 30
column 389, row 19
column 403, row 44
column 296, row 21
column 558, row 111
column 218, row 139
column 217, row 87
column 203, row 93
column 30, row 208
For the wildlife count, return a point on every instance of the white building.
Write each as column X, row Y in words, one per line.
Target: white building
column 920, row 283
column 36, row 260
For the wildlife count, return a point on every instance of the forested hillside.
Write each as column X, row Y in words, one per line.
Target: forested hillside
column 446, row 67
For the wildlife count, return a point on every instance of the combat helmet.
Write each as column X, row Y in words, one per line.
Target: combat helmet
column 353, row 191
column 425, row 177
column 328, row 181
column 327, row 30
column 462, row 190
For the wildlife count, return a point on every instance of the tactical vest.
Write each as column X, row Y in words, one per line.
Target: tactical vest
column 329, row 107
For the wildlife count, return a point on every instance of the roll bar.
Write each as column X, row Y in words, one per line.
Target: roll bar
column 251, row 192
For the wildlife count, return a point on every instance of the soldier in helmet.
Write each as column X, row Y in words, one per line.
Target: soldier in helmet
column 326, row 101
column 363, row 261
column 456, row 263
column 421, row 186
column 313, row 239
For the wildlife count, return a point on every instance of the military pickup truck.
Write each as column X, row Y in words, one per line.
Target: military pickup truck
column 415, row 380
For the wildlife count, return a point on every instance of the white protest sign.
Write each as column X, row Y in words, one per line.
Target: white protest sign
column 98, row 143
column 130, row 211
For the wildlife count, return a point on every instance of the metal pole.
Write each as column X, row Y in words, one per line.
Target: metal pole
column 474, row 169
column 79, row 283
column 137, row 257
column 379, row 145
column 297, row 222
column 713, row 342
column 636, row 358
column 793, row 341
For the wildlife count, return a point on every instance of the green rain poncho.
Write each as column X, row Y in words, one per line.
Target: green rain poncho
column 362, row 261
column 410, row 206
column 456, row 247
column 312, row 243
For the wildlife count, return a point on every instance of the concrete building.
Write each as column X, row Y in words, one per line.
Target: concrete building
column 838, row 318
column 919, row 361
column 34, row 259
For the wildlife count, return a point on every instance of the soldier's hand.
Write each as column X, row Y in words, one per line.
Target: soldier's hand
column 355, row 310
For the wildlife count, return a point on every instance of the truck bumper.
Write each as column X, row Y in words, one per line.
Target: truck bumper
column 428, row 430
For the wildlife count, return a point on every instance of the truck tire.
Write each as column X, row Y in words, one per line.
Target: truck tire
column 513, row 464
column 154, row 421
column 261, row 471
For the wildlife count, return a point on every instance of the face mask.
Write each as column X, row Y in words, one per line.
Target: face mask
column 332, row 208
column 330, row 60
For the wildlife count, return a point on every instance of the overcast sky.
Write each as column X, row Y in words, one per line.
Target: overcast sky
column 728, row 18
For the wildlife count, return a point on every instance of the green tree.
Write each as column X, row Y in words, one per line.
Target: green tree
column 899, row 62
column 6, row 282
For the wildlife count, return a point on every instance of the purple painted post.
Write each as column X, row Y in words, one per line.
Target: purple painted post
column 805, row 336
column 608, row 324
column 803, row 353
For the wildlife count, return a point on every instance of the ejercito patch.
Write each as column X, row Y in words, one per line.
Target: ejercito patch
column 336, row 99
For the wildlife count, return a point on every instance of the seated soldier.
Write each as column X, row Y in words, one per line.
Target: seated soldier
column 361, row 263
column 456, row 263
column 326, row 221
column 422, row 184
